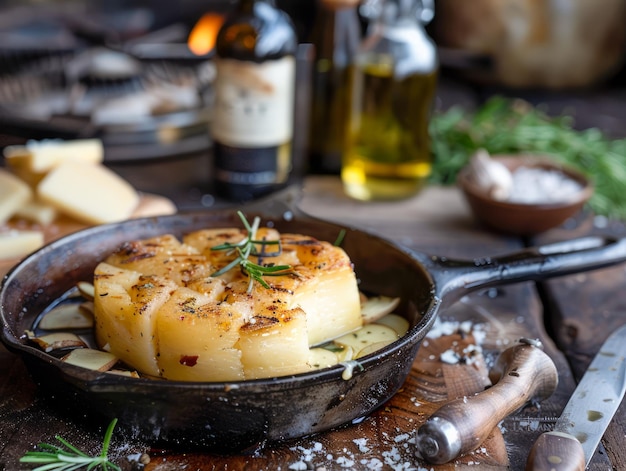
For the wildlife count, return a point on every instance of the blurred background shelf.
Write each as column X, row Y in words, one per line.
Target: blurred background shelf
column 64, row 63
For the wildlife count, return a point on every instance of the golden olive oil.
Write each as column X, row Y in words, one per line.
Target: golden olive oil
column 387, row 153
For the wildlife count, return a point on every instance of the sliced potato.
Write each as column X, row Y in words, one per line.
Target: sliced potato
column 396, row 322
column 366, row 336
column 373, row 347
column 67, row 317
column 86, row 290
column 130, row 374
column 87, row 307
column 322, row 358
column 57, row 341
column 91, row 359
column 376, row 307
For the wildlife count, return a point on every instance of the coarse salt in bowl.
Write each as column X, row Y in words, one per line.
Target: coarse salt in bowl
column 542, row 194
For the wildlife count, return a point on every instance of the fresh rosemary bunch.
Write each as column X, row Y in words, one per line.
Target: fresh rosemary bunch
column 247, row 247
column 70, row 458
column 504, row 126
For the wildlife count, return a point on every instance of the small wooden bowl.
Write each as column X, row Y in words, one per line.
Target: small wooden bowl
column 519, row 218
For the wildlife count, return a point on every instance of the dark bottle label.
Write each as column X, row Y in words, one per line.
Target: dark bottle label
column 259, row 166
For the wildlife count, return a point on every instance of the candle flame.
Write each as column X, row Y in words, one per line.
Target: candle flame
column 202, row 38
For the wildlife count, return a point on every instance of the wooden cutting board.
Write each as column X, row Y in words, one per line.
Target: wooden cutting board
column 149, row 205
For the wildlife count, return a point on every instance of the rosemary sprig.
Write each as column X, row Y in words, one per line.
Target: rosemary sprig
column 340, row 237
column 70, row 458
column 247, row 247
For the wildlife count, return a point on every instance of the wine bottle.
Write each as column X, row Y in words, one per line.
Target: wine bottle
column 336, row 36
column 252, row 123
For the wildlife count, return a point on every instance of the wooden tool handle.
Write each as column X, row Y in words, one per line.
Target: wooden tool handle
column 556, row 451
column 525, row 372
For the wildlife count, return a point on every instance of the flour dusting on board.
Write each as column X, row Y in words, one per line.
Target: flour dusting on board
column 397, row 454
column 394, row 452
column 469, row 353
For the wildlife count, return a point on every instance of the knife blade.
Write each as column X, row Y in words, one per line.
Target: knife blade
column 590, row 409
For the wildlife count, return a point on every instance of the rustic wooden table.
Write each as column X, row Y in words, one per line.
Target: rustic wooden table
column 571, row 315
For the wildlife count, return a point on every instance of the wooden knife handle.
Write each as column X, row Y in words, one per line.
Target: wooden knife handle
column 525, row 372
column 556, row 451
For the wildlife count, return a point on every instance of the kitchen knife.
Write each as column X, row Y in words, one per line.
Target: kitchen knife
column 589, row 411
column 523, row 372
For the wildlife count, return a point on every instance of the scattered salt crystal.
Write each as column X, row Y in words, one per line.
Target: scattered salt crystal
column 466, row 327
column 533, row 185
column 450, row 357
column 373, row 464
column 361, row 443
column 345, row 462
column 299, row 466
column 402, row 438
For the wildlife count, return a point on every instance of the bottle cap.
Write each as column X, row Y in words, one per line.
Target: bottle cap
column 340, row 3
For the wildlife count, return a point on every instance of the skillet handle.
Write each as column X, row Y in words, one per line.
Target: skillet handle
column 456, row 278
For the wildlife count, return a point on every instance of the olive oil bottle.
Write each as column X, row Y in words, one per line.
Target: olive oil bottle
column 252, row 123
column 387, row 153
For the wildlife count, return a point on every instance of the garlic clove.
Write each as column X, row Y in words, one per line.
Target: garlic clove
column 490, row 175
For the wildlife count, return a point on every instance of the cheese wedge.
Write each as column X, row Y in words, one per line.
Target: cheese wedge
column 42, row 156
column 17, row 243
column 14, row 193
column 92, row 194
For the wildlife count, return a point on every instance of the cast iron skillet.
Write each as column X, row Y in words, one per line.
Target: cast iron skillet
column 239, row 415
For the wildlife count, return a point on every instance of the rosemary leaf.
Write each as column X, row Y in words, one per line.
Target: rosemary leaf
column 247, row 247
column 70, row 458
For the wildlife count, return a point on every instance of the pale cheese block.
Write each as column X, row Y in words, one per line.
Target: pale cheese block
column 92, row 194
column 42, row 156
column 31, row 178
column 14, row 193
column 17, row 243
column 37, row 212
